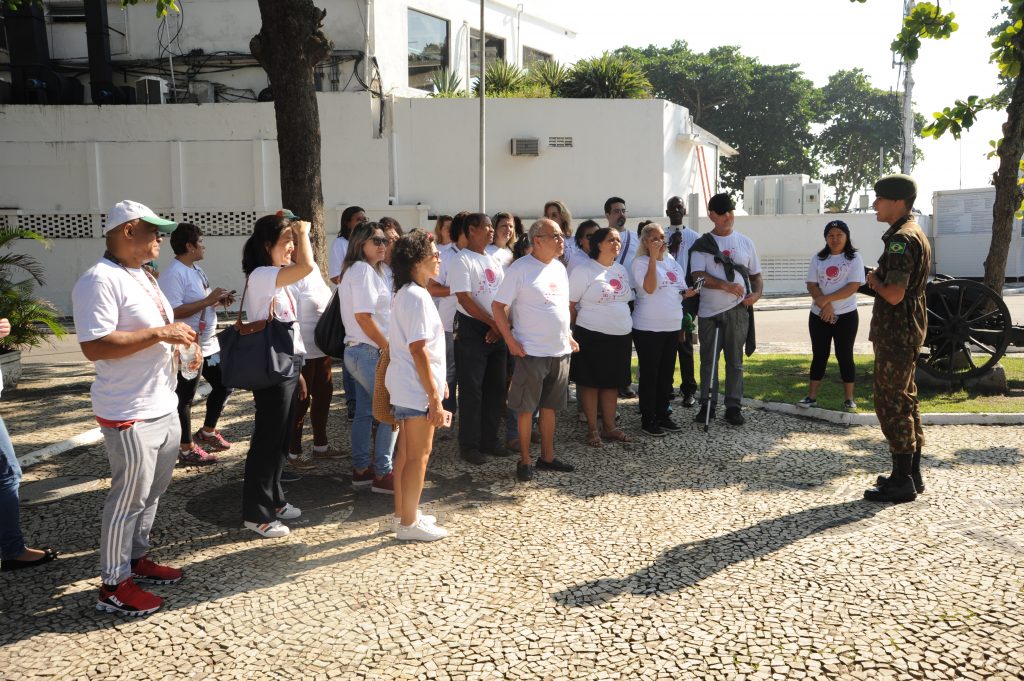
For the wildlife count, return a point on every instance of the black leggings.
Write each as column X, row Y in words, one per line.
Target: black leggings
column 215, row 402
column 844, row 333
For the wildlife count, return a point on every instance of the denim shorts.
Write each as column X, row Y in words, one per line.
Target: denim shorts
column 402, row 413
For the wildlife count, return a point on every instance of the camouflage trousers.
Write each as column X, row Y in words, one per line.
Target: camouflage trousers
column 896, row 398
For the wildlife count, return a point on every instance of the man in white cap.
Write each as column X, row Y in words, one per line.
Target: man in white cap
column 126, row 326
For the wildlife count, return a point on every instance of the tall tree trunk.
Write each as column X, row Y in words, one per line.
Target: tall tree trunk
column 1009, row 193
column 289, row 46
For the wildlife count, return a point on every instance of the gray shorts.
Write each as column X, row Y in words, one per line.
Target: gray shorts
column 539, row 382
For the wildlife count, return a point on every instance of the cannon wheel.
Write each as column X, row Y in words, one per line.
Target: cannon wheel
column 968, row 330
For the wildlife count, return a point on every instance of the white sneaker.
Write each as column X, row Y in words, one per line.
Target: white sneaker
column 288, row 512
column 271, row 530
column 429, row 519
column 420, row 531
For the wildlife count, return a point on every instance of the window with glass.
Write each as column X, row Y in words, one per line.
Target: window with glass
column 494, row 47
column 428, row 48
column 532, row 56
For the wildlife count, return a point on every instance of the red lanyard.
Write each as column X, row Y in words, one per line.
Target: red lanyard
column 153, row 289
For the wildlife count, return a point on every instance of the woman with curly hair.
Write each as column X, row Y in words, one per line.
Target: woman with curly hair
column 415, row 379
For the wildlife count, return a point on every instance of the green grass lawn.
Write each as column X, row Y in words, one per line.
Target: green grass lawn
column 783, row 378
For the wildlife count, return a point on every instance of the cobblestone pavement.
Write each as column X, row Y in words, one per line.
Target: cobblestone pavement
column 741, row 554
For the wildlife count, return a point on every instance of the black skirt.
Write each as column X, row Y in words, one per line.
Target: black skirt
column 603, row 360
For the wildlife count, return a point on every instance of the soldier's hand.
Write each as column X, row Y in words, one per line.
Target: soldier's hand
column 872, row 280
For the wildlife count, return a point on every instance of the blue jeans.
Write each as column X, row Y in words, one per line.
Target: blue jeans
column 347, row 382
column 361, row 362
column 12, row 543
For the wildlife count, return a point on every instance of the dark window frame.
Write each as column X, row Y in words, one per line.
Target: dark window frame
column 419, row 73
column 474, row 61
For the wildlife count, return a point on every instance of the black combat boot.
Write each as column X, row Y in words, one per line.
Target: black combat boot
column 898, row 487
column 915, row 473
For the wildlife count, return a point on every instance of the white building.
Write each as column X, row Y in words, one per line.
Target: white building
column 389, row 46
column 411, row 157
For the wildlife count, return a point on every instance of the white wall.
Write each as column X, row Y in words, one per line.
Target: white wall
column 619, row 149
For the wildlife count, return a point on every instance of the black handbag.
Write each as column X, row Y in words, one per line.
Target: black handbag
column 259, row 354
column 329, row 334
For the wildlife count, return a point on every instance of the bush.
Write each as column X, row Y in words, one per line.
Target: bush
column 502, row 79
column 550, row 74
column 26, row 312
column 606, row 77
column 446, row 84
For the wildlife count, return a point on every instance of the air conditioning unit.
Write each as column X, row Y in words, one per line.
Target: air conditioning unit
column 525, row 146
column 151, row 90
column 202, row 92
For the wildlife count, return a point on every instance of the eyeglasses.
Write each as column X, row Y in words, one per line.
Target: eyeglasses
column 380, row 240
column 655, row 239
column 436, row 255
column 556, row 237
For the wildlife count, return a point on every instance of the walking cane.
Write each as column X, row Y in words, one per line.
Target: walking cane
column 713, row 383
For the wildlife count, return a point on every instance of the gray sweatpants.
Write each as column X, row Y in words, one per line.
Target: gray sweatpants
column 142, row 460
column 732, row 334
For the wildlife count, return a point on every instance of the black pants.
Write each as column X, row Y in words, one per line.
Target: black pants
column 215, row 402
column 656, row 365
column 262, row 494
column 481, row 368
column 843, row 333
column 687, row 376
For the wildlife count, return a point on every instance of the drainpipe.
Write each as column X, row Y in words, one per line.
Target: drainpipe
column 483, row 109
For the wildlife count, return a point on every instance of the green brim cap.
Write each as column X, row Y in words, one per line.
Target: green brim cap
column 896, row 187
column 287, row 214
column 165, row 226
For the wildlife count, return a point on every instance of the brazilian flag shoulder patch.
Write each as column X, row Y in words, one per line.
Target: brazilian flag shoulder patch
column 898, row 247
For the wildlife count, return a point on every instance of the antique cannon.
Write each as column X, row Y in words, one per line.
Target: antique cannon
column 969, row 329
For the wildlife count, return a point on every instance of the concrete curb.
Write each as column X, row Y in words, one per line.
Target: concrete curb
column 852, row 419
column 89, row 437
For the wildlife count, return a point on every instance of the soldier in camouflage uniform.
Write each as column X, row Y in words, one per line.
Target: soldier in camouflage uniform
column 898, row 323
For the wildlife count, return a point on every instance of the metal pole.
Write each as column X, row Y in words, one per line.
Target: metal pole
column 483, row 108
column 908, row 110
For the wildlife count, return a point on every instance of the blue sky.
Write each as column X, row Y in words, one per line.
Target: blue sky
column 822, row 36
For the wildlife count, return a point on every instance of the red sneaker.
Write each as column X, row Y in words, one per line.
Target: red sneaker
column 197, row 456
column 148, row 572
column 384, row 485
column 128, row 599
column 214, row 441
column 362, row 479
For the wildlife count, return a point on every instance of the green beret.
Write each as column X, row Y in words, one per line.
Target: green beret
column 896, row 187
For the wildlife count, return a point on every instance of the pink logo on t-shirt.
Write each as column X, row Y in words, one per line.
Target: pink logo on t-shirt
column 554, row 287
column 727, row 253
column 672, row 276
column 490, row 276
column 832, row 271
column 616, row 285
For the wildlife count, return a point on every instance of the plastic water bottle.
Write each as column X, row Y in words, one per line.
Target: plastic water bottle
column 186, row 356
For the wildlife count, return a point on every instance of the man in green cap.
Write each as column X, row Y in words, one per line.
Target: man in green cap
column 899, row 320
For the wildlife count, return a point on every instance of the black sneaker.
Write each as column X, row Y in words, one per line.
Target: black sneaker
column 524, row 472
column 627, row 393
column 702, row 414
column 734, row 416
column 653, row 430
column 896, row 492
column 555, row 465
column 473, row 456
column 689, row 400
column 666, row 423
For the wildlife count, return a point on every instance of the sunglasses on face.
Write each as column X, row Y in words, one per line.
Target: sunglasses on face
column 380, row 240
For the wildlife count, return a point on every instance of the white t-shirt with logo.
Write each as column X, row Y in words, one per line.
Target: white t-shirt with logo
column 539, row 298
column 183, row 284
column 476, row 274
column 414, row 318
column 663, row 309
column 832, row 274
column 363, row 289
column 339, row 247
column 311, row 295
column 741, row 249
column 501, row 255
column 603, row 294
column 140, row 386
column 261, row 288
column 446, row 306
